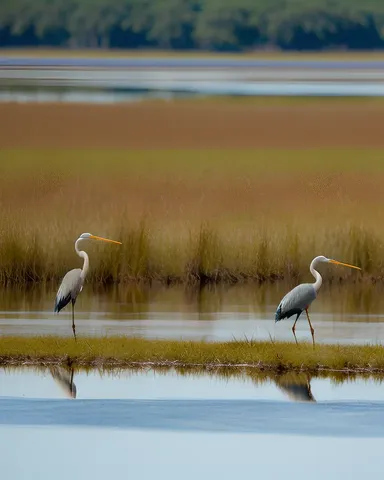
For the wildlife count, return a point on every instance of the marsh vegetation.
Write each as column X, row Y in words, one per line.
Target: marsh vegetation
column 110, row 352
column 190, row 216
column 191, row 209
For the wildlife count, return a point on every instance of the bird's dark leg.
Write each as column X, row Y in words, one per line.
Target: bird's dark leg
column 73, row 394
column 294, row 328
column 310, row 326
column 73, row 319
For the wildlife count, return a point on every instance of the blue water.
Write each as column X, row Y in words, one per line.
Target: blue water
column 147, row 424
column 333, row 419
column 53, row 453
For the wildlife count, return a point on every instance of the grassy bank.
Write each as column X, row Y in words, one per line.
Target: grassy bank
column 191, row 216
column 129, row 352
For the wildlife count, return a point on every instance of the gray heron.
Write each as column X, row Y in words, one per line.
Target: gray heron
column 64, row 378
column 73, row 281
column 301, row 297
column 296, row 386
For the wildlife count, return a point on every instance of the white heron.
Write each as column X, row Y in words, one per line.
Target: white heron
column 73, row 281
column 301, row 297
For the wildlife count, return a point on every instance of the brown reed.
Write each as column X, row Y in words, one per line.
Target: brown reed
column 185, row 216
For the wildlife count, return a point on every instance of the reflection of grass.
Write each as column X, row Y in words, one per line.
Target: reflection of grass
column 143, row 300
column 246, row 374
column 190, row 216
column 122, row 351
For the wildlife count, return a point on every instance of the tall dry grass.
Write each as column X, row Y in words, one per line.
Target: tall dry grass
column 203, row 216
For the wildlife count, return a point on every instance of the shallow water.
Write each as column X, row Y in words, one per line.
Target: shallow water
column 138, row 91
column 106, row 95
column 147, row 424
column 345, row 313
column 122, row 79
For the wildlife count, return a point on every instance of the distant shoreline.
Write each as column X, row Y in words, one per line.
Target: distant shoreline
column 147, row 53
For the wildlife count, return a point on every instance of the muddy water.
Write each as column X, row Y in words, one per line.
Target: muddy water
column 148, row 424
column 345, row 313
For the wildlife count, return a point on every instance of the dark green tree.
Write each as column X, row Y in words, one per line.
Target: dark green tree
column 233, row 25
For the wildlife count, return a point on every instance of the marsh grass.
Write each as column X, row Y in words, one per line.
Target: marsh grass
column 124, row 352
column 191, row 217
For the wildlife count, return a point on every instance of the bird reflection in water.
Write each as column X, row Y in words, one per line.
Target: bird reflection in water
column 64, row 378
column 296, row 386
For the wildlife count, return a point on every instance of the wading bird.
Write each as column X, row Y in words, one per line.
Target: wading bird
column 73, row 281
column 64, row 379
column 301, row 297
column 296, row 386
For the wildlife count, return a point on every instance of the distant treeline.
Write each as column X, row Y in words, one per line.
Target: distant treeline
column 223, row 25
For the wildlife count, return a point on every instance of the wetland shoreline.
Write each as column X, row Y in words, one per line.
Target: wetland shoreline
column 123, row 352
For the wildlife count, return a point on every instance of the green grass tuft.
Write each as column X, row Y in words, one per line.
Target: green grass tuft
column 128, row 352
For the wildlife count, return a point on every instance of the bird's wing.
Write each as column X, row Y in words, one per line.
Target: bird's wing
column 298, row 298
column 69, row 288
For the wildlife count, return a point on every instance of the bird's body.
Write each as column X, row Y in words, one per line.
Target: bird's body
column 73, row 281
column 301, row 297
column 71, row 286
column 297, row 387
column 296, row 301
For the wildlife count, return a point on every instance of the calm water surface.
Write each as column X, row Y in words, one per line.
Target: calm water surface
column 148, row 424
column 114, row 84
column 346, row 313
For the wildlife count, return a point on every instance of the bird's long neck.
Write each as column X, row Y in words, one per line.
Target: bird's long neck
column 316, row 274
column 83, row 255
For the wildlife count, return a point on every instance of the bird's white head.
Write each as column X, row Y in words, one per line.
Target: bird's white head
column 321, row 258
column 85, row 236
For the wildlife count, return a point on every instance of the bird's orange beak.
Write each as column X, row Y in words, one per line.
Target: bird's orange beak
column 344, row 264
column 94, row 237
